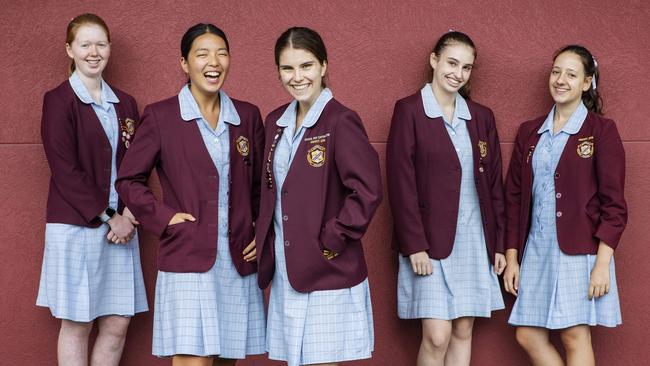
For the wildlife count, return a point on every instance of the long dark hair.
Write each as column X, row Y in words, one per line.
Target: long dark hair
column 447, row 39
column 591, row 98
column 302, row 38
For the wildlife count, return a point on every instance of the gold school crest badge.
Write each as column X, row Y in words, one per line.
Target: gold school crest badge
column 482, row 148
column 242, row 146
column 316, row 156
column 127, row 130
column 586, row 147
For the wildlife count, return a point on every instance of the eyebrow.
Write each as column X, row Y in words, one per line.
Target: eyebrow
column 302, row 64
column 568, row 68
column 206, row 49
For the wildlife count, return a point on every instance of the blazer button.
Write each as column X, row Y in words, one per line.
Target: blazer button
column 285, row 218
column 286, row 243
column 557, row 175
column 480, row 169
column 558, row 195
column 558, row 214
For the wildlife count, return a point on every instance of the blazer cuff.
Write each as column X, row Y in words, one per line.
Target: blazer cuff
column 407, row 250
column 608, row 237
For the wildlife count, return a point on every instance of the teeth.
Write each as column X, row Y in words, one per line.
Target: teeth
column 212, row 74
column 300, row 87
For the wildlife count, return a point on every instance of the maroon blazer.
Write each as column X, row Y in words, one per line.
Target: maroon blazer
column 326, row 204
column 424, row 175
column 190, row 183
column 79, row 155
column 589, row 183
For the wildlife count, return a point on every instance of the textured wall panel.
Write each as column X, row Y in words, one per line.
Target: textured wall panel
column 378, row 53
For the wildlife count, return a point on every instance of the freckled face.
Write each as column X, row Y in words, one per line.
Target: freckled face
column 90, row 50
column 207, row 63
column 301, row 74
column 567, row 80
column 453, row 67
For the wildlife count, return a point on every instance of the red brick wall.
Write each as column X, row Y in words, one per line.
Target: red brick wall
column 378, row 54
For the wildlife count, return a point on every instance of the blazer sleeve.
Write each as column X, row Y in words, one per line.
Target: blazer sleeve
column 58, row 132
column 258, row 158
column 513, row 192
column 357, row 164
column 402, row 187
column 131, row 183
column 496, row 184
column 610, row 172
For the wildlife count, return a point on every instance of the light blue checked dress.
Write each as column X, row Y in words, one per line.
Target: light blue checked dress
column 84, row 276
column 553, row 286
column 217, row 312
column 320, row 326
column 464, row 283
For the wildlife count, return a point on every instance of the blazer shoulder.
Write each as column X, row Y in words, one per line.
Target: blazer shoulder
column 598, row 121
column 525, row 128
column 335, row 112
column 478, row 108
column 126, row 98
column 242, row 105
column 164, row 105
column 412, row 101
column 246, row 110
column 121, row 94
column 62, row 91
column 275, row 114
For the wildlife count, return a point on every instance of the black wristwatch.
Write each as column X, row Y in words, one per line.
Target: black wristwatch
column 107, row 214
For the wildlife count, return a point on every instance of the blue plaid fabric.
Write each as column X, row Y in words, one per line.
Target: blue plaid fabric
column 553, row 285
column 320, row 326
column 464, row 283
column 83, row 276
column 217, row 312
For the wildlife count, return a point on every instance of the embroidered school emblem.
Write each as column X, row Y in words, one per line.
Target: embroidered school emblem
column 316, row 156
column 242, row 146
column 482, row 148
column 585, row 149
column 127, row 130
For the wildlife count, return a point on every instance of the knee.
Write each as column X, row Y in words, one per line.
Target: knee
column 436, row 341
column 76, row 329
column 527, row 339
column 575, row 338
column 114, row 326
column 462, row 329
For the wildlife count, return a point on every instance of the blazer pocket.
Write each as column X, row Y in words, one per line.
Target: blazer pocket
column 178, row 230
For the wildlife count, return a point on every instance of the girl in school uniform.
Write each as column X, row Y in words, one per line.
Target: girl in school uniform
column 566, row 213
column 207, row 151
column 91, row 267
column 444, row 183
column 322, row 187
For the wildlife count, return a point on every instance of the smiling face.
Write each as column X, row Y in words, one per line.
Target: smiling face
column 301, row 74
column 90, row 50
column 452, row 67
column 568, row 81
column 207, row 64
